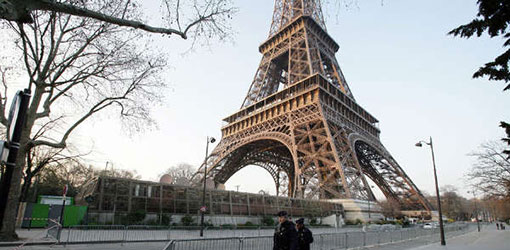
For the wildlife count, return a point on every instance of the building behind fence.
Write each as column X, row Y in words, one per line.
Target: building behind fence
column 110, row 198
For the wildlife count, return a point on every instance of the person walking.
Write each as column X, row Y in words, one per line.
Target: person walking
column 285, row 234
column 305, row 237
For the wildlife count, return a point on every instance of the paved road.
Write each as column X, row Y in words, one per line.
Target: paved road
column 488, row 239
column 129, row 246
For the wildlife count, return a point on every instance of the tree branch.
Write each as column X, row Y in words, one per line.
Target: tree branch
column 50, row 5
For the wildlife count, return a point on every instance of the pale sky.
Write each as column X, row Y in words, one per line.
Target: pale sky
column 397, row 59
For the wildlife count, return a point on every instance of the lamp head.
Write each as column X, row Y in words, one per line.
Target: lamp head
column 212, row 140
column 418, row 144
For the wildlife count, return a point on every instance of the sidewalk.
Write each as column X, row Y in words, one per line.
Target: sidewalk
column 488, row 239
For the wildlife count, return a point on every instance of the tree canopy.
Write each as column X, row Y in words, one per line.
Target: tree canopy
column 493, row 18
column 181, row 174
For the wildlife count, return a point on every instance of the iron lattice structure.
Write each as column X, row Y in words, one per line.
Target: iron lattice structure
column 301, row 123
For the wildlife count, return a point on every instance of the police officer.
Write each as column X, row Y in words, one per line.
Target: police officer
column 285, row 234
column 305, row 236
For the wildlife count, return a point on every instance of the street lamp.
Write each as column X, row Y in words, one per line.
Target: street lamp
column 203, row 208
column 441, row 228
column 476, row 209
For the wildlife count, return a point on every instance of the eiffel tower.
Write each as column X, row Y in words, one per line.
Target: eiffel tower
column 302, row 124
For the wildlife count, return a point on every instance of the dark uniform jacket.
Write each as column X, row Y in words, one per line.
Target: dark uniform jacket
column 285, row 236
column 304, row 238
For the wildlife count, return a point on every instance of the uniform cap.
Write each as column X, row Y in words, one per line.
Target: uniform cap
column 282, row 213
column 300, row 221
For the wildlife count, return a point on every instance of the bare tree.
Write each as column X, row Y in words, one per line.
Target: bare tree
column 182, row 18
column 490, row 173
column 117, row 173
column 498, row 208
column 77, row 68
column 181, row 174
column 74, row 174
column 453, row 205
column 37, row 159
column 390, row 208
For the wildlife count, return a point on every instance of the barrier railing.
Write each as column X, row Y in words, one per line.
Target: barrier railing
column 321, row 241
column 252, row 236
column 140, row 233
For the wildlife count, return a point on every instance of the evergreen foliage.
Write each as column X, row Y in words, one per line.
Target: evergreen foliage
column 493, row 18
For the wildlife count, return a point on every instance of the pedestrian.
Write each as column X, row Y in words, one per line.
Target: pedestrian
column 285, row 234
column 305, row 237
column 497, row 225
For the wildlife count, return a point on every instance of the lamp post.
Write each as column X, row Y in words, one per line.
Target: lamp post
column 14, row 131
column 203, row 208
column 476, row 209
column 441, row 228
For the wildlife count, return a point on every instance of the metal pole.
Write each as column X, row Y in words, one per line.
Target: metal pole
column 441, row 228
column 62, row 211
column 14, row 145
column 203, row 193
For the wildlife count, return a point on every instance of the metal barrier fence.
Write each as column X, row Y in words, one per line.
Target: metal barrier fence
column 321, row 241
column 120, row 233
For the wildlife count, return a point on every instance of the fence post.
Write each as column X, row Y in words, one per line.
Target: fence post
column 169, row 230
column 364, row 238
column 401, row 237
column 68, row 235
column 59, row 232
column 346, row 240
column 124, row 234
column 170, row 245
column 241, row 243
column 321, row 245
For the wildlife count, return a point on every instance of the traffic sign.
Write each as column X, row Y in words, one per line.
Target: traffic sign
column 13, row 115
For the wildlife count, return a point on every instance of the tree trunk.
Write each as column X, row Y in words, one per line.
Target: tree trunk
column 27, row 183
